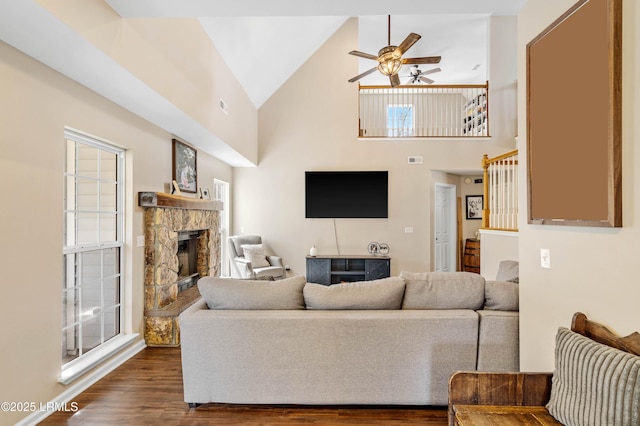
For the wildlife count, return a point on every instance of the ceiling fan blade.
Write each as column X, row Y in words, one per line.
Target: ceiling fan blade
column 364, row 74
column 425, row 60
column 426, row 80
column 407, row 43
column 395, row 80
column 435, row 70
column 363, row 55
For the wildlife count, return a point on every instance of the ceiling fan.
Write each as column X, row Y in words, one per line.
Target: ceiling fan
column 390, row 58
column 417, row 75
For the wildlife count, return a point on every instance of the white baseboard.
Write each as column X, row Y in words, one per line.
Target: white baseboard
column 83, row 383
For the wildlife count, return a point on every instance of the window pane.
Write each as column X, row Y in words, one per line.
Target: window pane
column 108, row 198
column 87, row 160
column 111, row 323
column 111, row 292
column 70, row 305
column 108, row 166
column 108, row 227
column 110, row 262
column 70, row 229
column 87, row 195
column 91, row 332
column 87, row 224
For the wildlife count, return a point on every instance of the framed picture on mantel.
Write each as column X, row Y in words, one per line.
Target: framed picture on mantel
column 185, row 167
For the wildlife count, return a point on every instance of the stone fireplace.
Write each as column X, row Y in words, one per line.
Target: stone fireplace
column 182, row 243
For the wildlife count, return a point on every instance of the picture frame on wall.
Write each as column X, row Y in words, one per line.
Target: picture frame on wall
column 474, row 206
column 185, row 165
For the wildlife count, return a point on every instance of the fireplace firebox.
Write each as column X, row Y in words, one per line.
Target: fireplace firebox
column 187, row 259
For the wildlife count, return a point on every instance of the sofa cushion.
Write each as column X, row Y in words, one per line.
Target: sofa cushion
column 385, row 293
column 593, row 384
column 226, row 293
column 501, row 296
column 443, row 290
column 254, row 253
column 508, row 270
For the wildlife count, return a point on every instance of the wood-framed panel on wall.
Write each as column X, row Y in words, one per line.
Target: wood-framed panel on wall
column 574, row 126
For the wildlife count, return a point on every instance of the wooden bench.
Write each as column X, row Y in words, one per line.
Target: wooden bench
column 483, row 398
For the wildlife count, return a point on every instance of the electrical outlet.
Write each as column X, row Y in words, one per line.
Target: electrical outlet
column 545, row 258
column 140, row 241
column 408, row 229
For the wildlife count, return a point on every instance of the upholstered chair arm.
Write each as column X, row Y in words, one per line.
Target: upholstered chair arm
column 244, row 266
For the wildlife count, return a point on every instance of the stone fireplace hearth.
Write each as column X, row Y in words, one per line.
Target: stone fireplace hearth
column 165, row 216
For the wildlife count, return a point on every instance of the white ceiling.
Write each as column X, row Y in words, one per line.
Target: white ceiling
column 248, row 33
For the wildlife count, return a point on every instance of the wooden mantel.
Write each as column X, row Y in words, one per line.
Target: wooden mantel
column 171, row 201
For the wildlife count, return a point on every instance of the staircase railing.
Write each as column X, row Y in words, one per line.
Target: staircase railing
column 500, row 210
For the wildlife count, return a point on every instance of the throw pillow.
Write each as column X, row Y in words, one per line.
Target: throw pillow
column 501, row 296
column 254, row 253
column 227, row 293
column 593, row 384
column 443, row 290
column 385, row 293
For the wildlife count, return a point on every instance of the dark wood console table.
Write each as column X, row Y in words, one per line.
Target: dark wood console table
column 330, row 270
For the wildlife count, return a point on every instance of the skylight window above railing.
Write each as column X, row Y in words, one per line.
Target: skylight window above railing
column 424, row 111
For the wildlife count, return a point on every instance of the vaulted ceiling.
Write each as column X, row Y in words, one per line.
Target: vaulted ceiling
column 263, row 42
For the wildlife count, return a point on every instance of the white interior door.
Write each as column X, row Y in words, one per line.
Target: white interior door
column 445, row 228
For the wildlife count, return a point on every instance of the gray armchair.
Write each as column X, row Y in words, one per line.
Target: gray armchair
column 248, row 260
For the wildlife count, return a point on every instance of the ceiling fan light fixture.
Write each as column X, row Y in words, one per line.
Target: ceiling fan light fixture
column 388, row 62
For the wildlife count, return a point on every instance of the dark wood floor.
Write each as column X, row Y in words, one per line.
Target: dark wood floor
column 147, row 390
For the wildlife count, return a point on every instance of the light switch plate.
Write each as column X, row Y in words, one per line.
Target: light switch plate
column 545, row 258
column 140, row 241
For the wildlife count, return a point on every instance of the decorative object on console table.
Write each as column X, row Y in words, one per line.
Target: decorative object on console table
column 330, row 270
column 185, row 166
column 373, row 248
column 313, row 251
column 471, row 256
column 383, row 249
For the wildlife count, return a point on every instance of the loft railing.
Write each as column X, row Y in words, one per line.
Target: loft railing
column 500, row 192
column 424, row 111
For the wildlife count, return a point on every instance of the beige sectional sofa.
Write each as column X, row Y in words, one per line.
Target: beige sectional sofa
column 390, row 341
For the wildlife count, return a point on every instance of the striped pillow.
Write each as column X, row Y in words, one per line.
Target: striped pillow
column 594, row 384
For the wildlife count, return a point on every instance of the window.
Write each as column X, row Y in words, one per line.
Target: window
column 399, row 120
column 93, row 244
column 221, row 193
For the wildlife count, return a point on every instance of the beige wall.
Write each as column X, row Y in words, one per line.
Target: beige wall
column 194, row 79
column 311, row 124
column 592, row 270
column 35, row 106
column 496, row 247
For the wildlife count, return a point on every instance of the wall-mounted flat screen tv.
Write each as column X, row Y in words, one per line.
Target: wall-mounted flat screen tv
column 346, row 194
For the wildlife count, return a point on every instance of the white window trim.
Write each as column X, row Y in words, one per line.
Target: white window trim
column 74, row 369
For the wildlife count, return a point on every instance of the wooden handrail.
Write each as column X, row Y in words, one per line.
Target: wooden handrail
column 486, row 163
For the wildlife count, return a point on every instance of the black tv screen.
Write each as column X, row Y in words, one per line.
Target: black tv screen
column 346, row 194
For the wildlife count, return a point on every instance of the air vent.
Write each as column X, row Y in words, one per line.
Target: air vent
column 415, row 160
